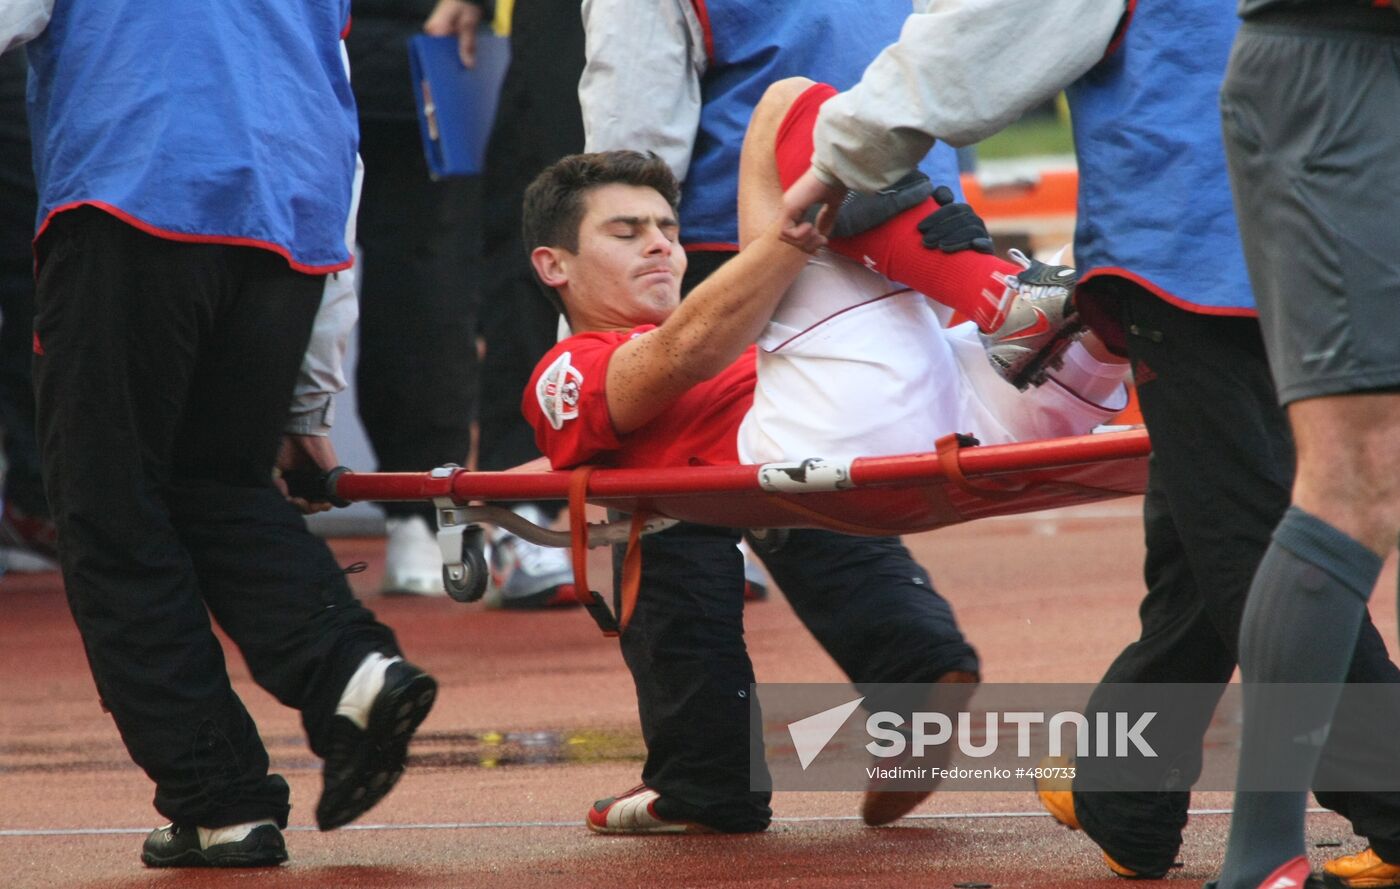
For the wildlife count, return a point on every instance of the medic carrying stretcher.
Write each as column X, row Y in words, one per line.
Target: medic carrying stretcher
column 847, row 360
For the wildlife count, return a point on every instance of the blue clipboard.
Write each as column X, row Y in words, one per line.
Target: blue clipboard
column 456, row 104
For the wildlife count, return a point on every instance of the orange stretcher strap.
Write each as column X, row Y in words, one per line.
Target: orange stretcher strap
column 597, row 606
column 632, row 571
column 947, row 449
column 578, row 544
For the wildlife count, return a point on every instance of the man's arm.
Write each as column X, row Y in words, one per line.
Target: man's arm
column 711, row 328
column 22, row 21
column 728, row 310
column 979, row 65
column 322, row 373
column 959, row 72
column 306, row 443
column 640, row 87
column 459, row 18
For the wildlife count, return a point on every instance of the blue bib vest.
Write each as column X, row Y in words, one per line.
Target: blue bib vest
column 213, row 122
column 750, row 45
column 1154, row 194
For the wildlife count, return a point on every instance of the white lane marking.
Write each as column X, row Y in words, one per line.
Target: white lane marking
column 508, row 825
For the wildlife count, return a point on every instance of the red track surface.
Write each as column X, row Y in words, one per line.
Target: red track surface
column 1045, row 598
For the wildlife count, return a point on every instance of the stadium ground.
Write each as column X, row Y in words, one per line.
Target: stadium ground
column 536, row 719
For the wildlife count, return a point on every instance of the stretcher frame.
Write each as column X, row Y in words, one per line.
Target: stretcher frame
column 958, row 481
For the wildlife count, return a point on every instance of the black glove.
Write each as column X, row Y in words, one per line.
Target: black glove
column 954, row 226
column 862, row 212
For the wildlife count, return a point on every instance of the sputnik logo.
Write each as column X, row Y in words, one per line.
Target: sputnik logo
column 811, row 734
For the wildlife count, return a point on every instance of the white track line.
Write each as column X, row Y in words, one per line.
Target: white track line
column 510, row 825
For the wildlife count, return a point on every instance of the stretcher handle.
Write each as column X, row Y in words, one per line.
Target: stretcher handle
column 316, row 487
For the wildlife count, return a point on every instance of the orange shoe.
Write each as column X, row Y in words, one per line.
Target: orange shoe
column 1059, row 803
column 1058, row 800
column 1364, row 870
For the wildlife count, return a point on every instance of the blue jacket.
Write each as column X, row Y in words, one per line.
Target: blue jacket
column 1154, row 193
column 750, row 45
column 213, row 122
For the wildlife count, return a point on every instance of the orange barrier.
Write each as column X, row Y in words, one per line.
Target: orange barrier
column 1049, row 193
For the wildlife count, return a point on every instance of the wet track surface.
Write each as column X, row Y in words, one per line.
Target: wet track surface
column 537, row 718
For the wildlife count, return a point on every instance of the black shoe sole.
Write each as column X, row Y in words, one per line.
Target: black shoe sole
column 264, row 847
column 1051, row 357
column 364, row 766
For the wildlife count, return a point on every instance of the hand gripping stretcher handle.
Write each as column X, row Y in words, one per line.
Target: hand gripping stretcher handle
column 464, row 570
column 317, row 487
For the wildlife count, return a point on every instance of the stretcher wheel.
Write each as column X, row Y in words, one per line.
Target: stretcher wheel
column 472, row 585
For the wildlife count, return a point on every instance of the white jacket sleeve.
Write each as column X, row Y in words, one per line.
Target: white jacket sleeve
column 322, row 372
column 961, row 70
column 22, row 20
column 641, row 82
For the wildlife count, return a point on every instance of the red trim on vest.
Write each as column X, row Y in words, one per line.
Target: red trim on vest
column 1122, row 30
column 186, row 237
column 349, row 20
column 38, row 346
column 708, row 246
column 704, row 15
column 1113, row 271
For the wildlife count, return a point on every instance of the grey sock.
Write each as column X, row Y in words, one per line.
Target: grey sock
column 1300, row 625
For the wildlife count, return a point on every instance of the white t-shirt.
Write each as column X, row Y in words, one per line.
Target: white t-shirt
column 854, row 365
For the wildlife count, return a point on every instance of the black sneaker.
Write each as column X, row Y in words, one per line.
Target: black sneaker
column 364, row 764
column 176, row 845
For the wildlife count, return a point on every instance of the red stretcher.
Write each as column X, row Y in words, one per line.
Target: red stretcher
column 958, row 481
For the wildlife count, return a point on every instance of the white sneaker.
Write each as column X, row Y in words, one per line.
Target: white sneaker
column 412, row 559
column 1041, row 322
column 524, row 574
column 363, row 688
column 634, row 812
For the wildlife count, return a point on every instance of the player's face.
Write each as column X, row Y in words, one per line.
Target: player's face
column 629, row 263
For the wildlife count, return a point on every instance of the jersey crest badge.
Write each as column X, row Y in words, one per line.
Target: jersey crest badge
column 558, row 391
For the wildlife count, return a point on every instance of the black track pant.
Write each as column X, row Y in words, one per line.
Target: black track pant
column 18, row 202
column 1219, row 480
column 164, row 382
column 868, row 603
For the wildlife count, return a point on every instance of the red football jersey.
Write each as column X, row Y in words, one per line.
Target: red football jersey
column 566, row 403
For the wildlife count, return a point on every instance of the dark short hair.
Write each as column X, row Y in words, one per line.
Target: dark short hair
column 554, row 202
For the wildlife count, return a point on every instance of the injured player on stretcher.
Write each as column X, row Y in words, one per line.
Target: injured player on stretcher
column 792, row 351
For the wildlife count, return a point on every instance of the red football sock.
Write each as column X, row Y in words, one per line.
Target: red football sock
column 972, row 283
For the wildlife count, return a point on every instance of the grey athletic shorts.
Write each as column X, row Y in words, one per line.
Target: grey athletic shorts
column 1311, row 118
